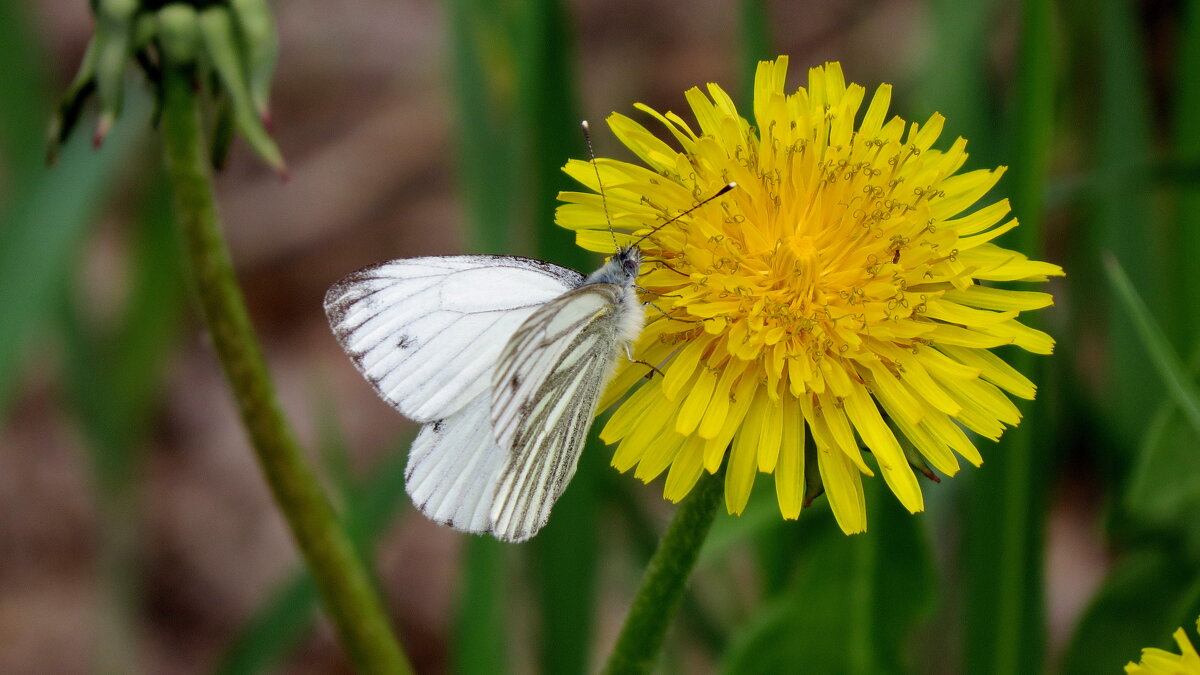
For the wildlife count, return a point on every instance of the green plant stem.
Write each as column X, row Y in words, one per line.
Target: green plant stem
column 666, row 577
column 345, row 587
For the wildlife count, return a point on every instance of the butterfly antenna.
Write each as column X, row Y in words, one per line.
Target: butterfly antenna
column 587, row 136
column 724, row 189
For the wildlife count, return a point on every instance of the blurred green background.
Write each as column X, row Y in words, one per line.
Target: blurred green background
column 136, row 534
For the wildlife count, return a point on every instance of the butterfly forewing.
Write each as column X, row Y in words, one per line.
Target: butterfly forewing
column 426, row 332
column 544, row 396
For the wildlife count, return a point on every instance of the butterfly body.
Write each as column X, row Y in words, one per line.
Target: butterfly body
column 503, row 359
column 622, row 271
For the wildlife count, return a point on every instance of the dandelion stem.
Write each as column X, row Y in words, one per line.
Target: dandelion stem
column 352, row 603
column 666, row 577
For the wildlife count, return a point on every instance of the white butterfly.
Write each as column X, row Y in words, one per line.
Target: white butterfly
column 503, row 359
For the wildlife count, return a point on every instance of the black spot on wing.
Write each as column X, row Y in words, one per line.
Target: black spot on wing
column 437, row 426
column 405, row 342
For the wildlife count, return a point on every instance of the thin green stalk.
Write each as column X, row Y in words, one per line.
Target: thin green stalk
column 666, row 577
column 345, row 587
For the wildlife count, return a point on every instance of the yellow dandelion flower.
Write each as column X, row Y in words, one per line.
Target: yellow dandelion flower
column 1161, row 662
column 835, row 293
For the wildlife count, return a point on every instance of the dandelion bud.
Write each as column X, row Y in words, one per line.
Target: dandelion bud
column 178, row 34
column 240, row 49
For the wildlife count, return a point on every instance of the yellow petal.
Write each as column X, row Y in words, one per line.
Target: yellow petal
column 877, row 436
column 843, row 486
column 995, row 370
column 789, row 472
column 770, row 435
column 742, row 397
column 658, row 455
column 693, row 407
column 681, row 368
column 685, row 470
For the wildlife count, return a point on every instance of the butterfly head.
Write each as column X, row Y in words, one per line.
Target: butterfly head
column 621, row 269
column 630, row 260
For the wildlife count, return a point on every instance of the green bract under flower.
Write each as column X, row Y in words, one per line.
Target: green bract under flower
column 834, row 299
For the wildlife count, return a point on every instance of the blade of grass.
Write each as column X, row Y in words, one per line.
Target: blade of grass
column 1001, row 535
column 483, row 71
column 24, row 105
column 1163, row 491
column 564, row 554
column 1154, row 342
column 548, row 125
column 1124, row 214
column 41, row 230
column 479, row 636
column 112, row 382
column 955, row 81
column 755, row 45
column 1004, row 536
column 1187, row 153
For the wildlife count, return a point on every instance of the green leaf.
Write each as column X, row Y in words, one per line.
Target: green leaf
column 130, row 360
column 853, row 604
column 1003, row 531
column 482, row 75
column 1164, row 491
column 1187, row 154
column 23, row 96
column 1154, row 343
column 1146, row 597
column 115, row 417
column 479, row 647
column 1125, row 216
column 43, row 227
column 955, row 80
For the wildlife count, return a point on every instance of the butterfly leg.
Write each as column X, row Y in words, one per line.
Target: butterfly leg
column 668, row 266
column 653, row 369
column 672, row 318
column 650, row 292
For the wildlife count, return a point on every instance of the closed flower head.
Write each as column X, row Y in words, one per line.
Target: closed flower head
column 836, row 300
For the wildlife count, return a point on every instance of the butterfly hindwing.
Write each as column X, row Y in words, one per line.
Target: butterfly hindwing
column 454, row 466
column 426, row 332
